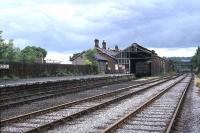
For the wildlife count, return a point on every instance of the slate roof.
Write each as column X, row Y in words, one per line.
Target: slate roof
column 98, row 57
column 108, row 52
column 76, row 55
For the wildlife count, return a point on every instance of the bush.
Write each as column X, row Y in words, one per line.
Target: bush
column 12, row 76
column 5, row 77
column 60, row 72
column 45, row 74
column 198, row 80
column 9, row 77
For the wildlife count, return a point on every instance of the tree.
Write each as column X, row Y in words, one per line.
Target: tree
column 31, row 53
column 28, row 54
column 42, row 51
column 9, row 53
column 7, row 50
column 196, row 60
column 89, row 54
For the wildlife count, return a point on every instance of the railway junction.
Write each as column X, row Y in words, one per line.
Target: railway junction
column 112, row 103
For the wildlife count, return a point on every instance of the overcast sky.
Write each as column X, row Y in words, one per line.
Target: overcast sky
column 171, row 27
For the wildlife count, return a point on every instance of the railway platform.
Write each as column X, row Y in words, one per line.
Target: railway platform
column 42, row 80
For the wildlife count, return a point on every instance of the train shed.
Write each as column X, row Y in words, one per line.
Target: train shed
column 142, row 61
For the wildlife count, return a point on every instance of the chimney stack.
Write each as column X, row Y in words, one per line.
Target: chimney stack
column 116, row 48
column 96, row 43
column 104, row 44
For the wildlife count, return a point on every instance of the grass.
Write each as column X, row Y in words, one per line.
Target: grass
column 198, row 81
column 9, row 77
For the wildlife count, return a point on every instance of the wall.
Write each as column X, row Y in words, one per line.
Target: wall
column 37, row 70
column 79, row 60
column 111, row 62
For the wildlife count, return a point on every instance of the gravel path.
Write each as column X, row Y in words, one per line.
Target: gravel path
column 189, row 118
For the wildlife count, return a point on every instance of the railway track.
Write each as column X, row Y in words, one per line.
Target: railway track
column 14, row 98
column 44, row 119
column 155, row 115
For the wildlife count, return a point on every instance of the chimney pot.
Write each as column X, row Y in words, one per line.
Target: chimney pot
column 104, row 44
column 96, row 43
column 116, row 48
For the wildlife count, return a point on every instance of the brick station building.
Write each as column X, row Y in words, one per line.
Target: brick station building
column 133, row 59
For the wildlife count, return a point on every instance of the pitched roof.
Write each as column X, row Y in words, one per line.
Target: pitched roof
column 76, row 55
column 138, row 47
column 98, row 57
column 108, row 52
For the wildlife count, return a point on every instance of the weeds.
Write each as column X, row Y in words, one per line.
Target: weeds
column 9, row 77
column 198, row 81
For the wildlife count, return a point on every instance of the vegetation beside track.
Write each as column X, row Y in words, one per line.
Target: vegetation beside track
column 198, row 81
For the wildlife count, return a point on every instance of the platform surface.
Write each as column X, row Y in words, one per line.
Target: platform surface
column 28, row 81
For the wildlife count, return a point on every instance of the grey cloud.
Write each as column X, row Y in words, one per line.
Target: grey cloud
column 160, row 23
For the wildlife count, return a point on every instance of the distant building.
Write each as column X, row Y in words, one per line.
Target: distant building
column 51, row 61
column 80, row 58
column 104, row 56
column 108, row 54
column 39, row 60
column 142, row 61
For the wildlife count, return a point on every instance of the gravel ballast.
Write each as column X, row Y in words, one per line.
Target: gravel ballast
column 99, row 119
column 189, row 118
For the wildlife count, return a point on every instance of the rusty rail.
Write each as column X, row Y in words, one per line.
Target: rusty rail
column 130, row 115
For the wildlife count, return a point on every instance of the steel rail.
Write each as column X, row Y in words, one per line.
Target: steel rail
column 130, row 115
column 178, row 107
column 89, row 110
column 59, row 107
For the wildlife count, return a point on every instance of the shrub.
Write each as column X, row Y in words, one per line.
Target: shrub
column 12, row 76
column 198, row 80
column 61, row 72
column 9, row 77
column 45, row 74
column 5, row 77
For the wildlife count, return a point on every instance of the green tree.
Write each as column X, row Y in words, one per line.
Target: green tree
column 31, row 53
column 9, row 53
column 1, row 39
column 196, row 60
column 7, row 50
column 42, row 52
column 89, row 54
column 28, row 54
